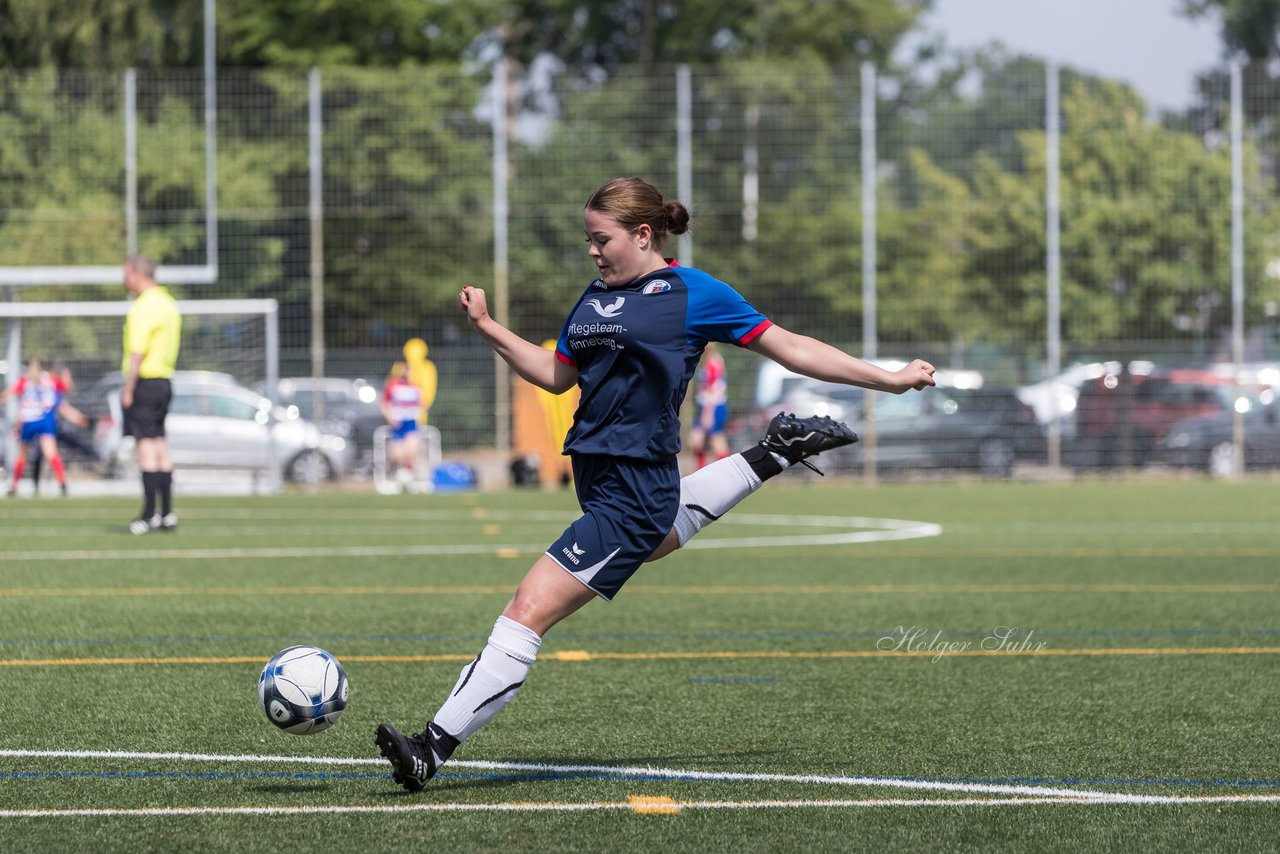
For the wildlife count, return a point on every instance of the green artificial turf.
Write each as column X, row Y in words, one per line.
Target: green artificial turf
column 771, row 689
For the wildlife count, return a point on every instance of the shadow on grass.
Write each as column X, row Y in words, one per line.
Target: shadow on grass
column 468, row 780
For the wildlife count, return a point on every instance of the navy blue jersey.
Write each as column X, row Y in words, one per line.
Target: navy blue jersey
column 636, row 347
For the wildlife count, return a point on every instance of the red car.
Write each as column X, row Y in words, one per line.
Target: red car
column 1121, row 417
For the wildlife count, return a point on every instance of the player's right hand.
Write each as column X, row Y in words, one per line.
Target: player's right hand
column 474, row 303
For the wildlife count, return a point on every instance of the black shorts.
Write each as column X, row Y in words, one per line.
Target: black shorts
column 145, row 419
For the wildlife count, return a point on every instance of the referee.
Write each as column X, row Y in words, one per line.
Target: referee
column 152, row 330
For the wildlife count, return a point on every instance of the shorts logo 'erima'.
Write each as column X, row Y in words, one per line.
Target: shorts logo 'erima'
column 610, row 310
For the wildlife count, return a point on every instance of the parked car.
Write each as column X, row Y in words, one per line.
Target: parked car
column 351, row 408
column 1208, row 442
column 1122, row 417
column 1055, row 397
column 773, row 381
column 983, row 430
column 215, row 423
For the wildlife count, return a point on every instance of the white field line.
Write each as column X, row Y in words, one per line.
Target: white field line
column 881, row 530
column 1051, row 793
column 661, row 808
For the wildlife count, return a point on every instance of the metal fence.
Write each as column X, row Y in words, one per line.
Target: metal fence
column 1042, row 221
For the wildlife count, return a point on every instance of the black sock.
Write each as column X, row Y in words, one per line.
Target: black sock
column 442, row 744
column 762, row 462
column 149, row 486
column 166, row 492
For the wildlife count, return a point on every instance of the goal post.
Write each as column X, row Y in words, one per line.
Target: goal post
column 239, row 337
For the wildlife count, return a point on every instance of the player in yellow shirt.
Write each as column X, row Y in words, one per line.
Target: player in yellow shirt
column 152, row 332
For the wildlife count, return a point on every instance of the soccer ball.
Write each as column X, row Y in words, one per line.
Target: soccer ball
column 303, row 690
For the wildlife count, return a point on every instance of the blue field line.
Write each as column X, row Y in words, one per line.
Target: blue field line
column 552, row 776
column 588, row 636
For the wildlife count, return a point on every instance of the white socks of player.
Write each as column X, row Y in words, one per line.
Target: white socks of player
column 487, row 684
column 710, row 492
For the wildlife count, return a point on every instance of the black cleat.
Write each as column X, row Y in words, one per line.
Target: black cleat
column 795, row 439
column 413, row 762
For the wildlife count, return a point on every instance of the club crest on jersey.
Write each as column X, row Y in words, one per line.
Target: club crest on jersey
column 658, row 287
column 610, row 310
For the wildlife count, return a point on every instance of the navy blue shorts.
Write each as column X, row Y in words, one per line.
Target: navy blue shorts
column 628, row 507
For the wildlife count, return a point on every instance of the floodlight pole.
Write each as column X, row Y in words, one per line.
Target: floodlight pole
column 1053, row 260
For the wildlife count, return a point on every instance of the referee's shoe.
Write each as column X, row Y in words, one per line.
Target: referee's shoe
column 796, row 439
column 167, row 523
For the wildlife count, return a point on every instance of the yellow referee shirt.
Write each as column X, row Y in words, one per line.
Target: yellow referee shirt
column 153, row 328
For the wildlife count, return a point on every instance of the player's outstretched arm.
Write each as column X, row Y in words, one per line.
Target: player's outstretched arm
column 819, row 360
column 75, row 416
column 535, row 364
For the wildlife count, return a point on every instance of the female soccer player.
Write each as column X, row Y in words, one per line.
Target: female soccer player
column 631, row 344
column 711, row 408
column 41, row 395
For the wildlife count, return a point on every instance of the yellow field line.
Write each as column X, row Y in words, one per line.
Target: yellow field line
column 576, row 656
column 800, row 589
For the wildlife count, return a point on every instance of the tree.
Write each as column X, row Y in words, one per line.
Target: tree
column 1249, row 26
column 1145, row 229
column 612, row 33
column 101, row 34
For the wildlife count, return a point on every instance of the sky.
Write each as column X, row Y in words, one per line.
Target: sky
column 1144, row 43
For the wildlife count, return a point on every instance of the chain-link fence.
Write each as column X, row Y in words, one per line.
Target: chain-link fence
column 377, row 194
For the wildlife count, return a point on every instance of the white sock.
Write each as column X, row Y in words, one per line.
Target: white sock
column 710, row 492
column 488, row 683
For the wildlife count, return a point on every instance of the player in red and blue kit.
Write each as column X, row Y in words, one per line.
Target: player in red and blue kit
column 40, row 399
column 631, row 344
column 711, row 401
column 401, row 405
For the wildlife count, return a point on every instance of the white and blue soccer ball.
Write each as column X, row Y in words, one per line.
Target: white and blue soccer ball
column 303, row 690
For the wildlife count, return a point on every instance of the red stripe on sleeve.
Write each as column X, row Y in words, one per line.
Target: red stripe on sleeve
column 755, row 333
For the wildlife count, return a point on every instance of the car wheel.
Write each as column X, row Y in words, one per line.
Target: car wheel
column 1222, row 460
column 309, row 467
column 995, row 458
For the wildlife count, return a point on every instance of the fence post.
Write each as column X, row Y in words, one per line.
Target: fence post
column 1237, row 259
column 501, row 264
column 869, row 348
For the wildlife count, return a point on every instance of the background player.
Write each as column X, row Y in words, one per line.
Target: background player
column 711, row 400
column 401, row 407
column 40, row 396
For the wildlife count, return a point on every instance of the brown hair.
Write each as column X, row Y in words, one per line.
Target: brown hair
column 634, row 202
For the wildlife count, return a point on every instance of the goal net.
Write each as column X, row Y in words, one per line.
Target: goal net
column 236, row 340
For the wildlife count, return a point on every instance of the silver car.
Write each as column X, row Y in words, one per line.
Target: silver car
column 216, row 423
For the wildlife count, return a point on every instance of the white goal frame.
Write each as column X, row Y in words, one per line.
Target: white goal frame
column 13, row 313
